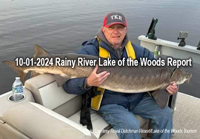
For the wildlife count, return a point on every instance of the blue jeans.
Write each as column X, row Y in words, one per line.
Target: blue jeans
column 122, row 119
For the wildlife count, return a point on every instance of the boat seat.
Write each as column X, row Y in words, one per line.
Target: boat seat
column 37, row 122
column 45, row 92
column 99, row 124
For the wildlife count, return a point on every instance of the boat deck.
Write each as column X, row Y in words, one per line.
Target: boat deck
column 187, row 117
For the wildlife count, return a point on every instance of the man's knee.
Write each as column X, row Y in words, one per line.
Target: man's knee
column 118, row 117
column 164, row 115
column 128, row 129
column 167, row 112
column 132, row 124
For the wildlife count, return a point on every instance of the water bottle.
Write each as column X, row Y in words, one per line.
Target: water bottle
column 17, row 89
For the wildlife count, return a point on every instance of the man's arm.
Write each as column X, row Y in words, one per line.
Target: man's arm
column 142, row 52
column 75, row 86
column 78, row 85
column 82, row 85
column 172, row 88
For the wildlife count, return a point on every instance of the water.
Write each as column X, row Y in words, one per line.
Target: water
column 60, row 26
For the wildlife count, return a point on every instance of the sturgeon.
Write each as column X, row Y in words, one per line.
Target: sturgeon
column 125, row 79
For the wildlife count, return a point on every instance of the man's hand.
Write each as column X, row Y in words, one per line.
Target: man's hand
column 97, row 79
column 172, row 88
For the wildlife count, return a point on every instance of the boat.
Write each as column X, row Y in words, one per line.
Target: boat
column 48, row 112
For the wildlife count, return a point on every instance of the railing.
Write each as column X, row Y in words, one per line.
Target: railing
column 169, row 48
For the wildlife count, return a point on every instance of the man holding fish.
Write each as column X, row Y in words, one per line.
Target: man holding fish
column 118, row 108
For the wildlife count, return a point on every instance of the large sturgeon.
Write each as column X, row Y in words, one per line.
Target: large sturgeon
column 121, row 79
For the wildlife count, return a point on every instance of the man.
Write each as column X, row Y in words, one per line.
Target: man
column 118, row 108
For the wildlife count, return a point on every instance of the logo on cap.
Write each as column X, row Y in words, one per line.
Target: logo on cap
column 116, row 17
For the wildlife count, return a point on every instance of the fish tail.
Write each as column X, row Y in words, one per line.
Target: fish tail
column 17, row 69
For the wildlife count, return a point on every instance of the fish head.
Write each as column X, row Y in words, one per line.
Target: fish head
column 180, row 76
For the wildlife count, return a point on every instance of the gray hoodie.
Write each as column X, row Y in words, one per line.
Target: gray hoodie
column 118, row 51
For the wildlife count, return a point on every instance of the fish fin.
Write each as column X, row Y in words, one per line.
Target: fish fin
column 17, row 69
column 161, row 96
column 60, row 80
column 39, row 51
column 173, row 72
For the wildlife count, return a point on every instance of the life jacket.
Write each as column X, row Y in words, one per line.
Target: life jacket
column 96, row 100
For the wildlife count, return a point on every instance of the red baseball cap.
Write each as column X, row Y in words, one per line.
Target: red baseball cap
column 114, row 18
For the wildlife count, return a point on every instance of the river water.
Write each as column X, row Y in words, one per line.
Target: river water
column 60, row 26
